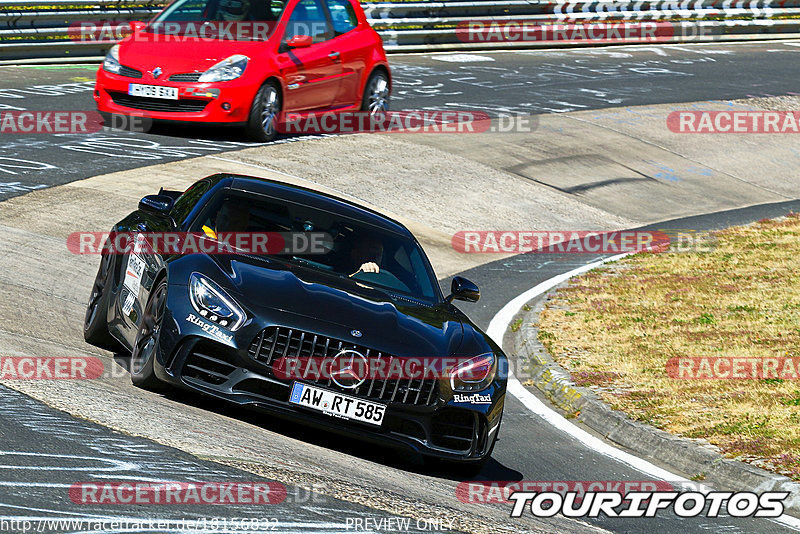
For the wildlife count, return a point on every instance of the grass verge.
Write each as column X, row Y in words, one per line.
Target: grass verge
column 616, row 328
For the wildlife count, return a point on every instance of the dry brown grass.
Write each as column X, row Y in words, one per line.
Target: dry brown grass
column 616, row 327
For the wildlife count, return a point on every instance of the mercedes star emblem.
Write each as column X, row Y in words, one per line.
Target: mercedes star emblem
column 349, row 369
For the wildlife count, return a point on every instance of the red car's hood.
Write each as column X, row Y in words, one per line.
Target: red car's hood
column 147, row 51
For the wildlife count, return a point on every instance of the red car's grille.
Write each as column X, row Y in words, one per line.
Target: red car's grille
column 158, row 104
column 185, row 77
column 280, row 342
column 130, row 72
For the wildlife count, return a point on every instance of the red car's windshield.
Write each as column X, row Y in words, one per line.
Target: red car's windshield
column 241, row 20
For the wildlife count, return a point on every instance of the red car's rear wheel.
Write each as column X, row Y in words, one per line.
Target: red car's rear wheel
column 376, row 94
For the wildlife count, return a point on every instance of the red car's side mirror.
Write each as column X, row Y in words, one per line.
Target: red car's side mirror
column 300, row 41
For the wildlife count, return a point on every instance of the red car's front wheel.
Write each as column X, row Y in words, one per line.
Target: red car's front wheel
column 262, row 123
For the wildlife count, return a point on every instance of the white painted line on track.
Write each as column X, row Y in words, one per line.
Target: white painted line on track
column 498, row 326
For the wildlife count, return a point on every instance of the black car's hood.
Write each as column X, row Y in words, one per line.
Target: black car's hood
column 387, row 323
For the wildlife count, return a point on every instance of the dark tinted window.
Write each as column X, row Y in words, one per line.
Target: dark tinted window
column 353, row 251
column 308, row 19
column 343, row 16
column 243, row 20
column 187, row 201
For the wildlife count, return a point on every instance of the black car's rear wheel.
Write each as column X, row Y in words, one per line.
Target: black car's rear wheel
column 264, row 115
column 95, row 325
column 144, row 348
column 376, row 94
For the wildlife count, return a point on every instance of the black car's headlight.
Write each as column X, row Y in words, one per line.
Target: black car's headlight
column 111, row 62
column 214, row 304
column 474, row 374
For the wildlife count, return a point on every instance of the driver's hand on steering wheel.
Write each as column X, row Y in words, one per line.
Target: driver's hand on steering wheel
column 369, row 267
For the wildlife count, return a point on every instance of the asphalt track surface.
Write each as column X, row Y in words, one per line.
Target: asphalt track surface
column 524, row 82
column 529, row 449
column 46, row 452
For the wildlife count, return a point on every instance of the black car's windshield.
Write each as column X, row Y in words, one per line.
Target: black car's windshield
column 355, row 251
column 243, row 20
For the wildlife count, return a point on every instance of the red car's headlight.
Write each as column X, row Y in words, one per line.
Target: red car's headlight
column 226, row 70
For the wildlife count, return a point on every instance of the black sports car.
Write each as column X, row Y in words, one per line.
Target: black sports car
column 226, row 324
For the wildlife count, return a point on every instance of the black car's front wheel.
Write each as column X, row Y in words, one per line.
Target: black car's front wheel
column 264, row 115
column 144, row 348
column 95, row 325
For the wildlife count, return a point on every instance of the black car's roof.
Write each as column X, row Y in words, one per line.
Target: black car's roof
column 311, row 198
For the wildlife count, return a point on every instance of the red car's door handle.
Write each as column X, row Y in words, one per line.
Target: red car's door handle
column 334, row 55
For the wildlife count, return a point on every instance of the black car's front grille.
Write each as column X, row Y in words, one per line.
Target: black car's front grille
column 200, row 365
column 130, row 72
column 158, row 104
column 276, row 342
column 454, row 429
column 185, row 77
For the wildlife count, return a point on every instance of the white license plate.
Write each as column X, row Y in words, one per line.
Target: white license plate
column 153, row 91
column 337, row 404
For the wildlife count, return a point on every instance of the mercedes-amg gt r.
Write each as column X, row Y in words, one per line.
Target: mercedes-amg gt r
column 233, row 323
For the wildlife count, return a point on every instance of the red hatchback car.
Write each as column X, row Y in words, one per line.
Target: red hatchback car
column 243, row 62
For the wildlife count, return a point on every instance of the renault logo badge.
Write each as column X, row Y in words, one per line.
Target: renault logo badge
column 157, row 72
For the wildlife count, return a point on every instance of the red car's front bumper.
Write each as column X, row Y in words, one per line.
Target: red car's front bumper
column 197, row 102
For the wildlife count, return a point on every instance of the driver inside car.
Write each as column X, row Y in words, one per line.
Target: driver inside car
column 367, row 255
column 233, row 10
column 231, row 217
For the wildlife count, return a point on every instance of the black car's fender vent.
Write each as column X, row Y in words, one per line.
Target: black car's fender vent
column 455, row 430
column 281, row 342
column 203, row 366
column 158, row 104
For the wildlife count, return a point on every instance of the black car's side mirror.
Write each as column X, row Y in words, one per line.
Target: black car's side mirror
column 463, row 289
column 158, row 204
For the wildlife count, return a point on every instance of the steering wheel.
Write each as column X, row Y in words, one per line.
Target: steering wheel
column 382, row 278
